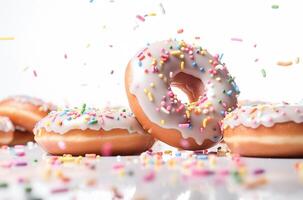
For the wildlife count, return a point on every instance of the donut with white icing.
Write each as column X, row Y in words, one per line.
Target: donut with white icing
column 6, row 130
column 211, row 91
column 11, row 135
column 265, row 130
column 24, row 111
column 80, row 131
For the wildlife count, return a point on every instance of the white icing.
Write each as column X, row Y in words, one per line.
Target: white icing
column 43, row 106
column 6, row 125
column 264, row 114
column 264, row 139
column 196, row 65
column 89, row 118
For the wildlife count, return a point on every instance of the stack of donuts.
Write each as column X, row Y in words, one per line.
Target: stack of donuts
column 157, row 113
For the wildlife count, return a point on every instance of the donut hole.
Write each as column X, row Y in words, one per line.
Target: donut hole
column 187, row 87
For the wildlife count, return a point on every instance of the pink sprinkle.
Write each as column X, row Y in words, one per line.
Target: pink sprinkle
column 106, row 149
column 65, row 56
column 197, row 38
column 118, row 166
column 201, row 172
column 184, row 125
column 184, row 143
column 35, row 73
column 255, row 45
column 20, row 164
column 59, row 190
column 237, row 39
column 61, row 145
column 179, row 31
column 20, row 154
column 149, row 176
column 258, row 171
column 109, row 117
column 141, row 18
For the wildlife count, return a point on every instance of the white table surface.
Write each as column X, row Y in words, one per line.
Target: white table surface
column 174, row 175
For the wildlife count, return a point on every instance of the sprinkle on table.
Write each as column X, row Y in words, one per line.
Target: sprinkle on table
column 7, row 38
column 141, row 18
column 35, row 73
column 263, row 73
column 284, row 63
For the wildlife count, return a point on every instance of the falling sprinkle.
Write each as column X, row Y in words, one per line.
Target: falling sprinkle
column 237, row 39
column 7, row 38
column 87, row 45
column 91, row 1
column 65, row 56
column 275, row 6
column 197, row 38
column 181, row 30
column 257, row 59
column 35, row 73
column 255, row 45
column 162, row 8
column 263, row 73
column 112, row 72
column 141, row 18
column 297, row 61
column 284, row 63
column 25, row 69
column 152, row 14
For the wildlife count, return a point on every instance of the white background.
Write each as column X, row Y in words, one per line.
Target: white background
column 100, row 36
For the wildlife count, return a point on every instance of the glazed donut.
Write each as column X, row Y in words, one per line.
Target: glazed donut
column 89, row 130
column 210, row 89
column 24, row 111
column 265, row 130
column 6, row 130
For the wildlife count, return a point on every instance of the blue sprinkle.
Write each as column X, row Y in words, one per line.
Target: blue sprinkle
column 178, row 154
column 229, row 92
column 202, row 69
column 222, row 112
column 235, row 88
column 202, row 157
column 140, row 64
column 69, row 118
column 194, row 64
column 221, row 56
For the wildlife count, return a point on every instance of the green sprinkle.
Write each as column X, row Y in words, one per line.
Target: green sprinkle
column 28, row 189
column 94, row 121
column 263, row 73
column 3, row 185
column 275, row 6
column 83, row 108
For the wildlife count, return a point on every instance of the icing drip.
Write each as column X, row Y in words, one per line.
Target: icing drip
column 153, row 70
column 264, row 114
column 6, row 125
column 85, row 118
column 43, row 106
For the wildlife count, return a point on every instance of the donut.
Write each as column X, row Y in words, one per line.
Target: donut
column 6, row 130
column 265, row 130
column 13, row 135
column 80, row 131
column 211, row 92
column 24, row 111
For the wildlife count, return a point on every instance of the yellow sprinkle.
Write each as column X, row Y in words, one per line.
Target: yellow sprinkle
column 182, row 65
column 150, row 96
column 154, row 62
column 225, row 126
column 284, row 63
column 161, row 76
column 145, row 90
column 152, row 14
column 181, row 56
column 205, row 121
column 218, row 79
column 161, row 62
column 210, row 61
column 162, row 121
column 203, row 52
column 187, row 114
column 149, row 131
column 175, row 53
column 152, row 85
column 198, row 111
column 47, row 123
column 208, row 104
column 7, row 38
